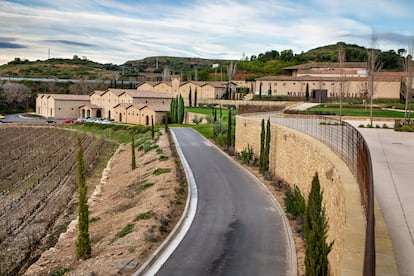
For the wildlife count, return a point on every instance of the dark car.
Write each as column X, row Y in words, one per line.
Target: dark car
column 50, row 121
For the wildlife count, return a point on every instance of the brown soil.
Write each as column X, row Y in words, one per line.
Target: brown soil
column 115, row 202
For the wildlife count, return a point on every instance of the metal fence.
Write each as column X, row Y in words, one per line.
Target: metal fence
column 350, row 146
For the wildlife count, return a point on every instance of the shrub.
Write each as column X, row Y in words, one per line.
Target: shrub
column 361, row 125
column 149, row 236
column 94, row 219
column 247, row 155
column 158, row 150
column 125, row 231
column 159, row 171
column 163, row 158
column 407, row 128
column 384, row 126
column 377, row 126
column 60, row 272
column 369, row 126
column 197, row 120
column 294, row 202
column 145, row 186
column 145, row 215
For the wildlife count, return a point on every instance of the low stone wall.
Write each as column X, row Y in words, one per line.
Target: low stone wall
column 189, row 116
column 295, row 158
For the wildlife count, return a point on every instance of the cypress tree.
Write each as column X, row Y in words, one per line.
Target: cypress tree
column 221, row 114
column 195, row 97
column 270, row 90
column 402, row 91
column 229, row 129
column 307, row 92
column 83, row 243
column 262, row 146
column 172, row 110
column 133, row 163
column 215, row 115
column 189, row 98
column 180, row 110
column 267, row 148
column 260, row 90
column 316, row 228
column 166, row 121
column 152, row 128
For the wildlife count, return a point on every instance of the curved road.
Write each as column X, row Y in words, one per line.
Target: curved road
column 238, row 229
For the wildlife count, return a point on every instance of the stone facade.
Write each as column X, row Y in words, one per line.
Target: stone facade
column 295, row 158
column 60, row 106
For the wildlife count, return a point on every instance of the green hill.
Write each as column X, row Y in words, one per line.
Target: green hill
column 75, row 68
column 271, row 62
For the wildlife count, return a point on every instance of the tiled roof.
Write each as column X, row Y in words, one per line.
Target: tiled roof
column 98, row 92
column 68, row 97
column 149, row 94
column 308, row 66
column 92, row 106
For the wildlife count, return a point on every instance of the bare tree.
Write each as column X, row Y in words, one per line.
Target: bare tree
column 14, row 93
column 373, row 66
column 341, row 55
column 409, row 69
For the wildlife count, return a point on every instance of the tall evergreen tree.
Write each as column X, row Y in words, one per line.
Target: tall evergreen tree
column 260, row 90
column 307, row 92
column 270, row 90
column 83, row 243
column 152, row 128
column 402, row 91
column 267, row 148
column 166, row 121
column 195, row 97
column 190, row 98
column 182, row 110
column 316, row 228
column 262, row 146
column 173, row 110
column 133, row 162
column 229, row 129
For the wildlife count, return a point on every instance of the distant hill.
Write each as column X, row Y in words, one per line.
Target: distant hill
column 154, row 68
column 75, row 68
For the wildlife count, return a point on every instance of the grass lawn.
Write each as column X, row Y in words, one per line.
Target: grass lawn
column 376, row 112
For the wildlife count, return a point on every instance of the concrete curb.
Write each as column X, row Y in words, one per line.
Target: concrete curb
column 291, row 250
column 164, row 251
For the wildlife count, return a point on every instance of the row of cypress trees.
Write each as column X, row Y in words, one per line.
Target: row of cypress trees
column 177, row 110
column 190, row 98
column 264, row 147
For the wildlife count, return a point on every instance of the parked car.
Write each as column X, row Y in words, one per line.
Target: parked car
column 80, row 120
column 51, row 121
column 69, row 121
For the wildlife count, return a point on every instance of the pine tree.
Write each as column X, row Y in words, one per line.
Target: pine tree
column 190, row 98
column 133, row 163
column 262, row 146
column 316, row 228
column 83, row 243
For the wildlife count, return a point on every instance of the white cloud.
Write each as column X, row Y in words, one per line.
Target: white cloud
column 218, row 29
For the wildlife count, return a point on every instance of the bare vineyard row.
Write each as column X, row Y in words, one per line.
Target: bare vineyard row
column 40, row 181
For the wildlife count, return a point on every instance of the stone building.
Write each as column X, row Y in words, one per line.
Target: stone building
column 60, row 106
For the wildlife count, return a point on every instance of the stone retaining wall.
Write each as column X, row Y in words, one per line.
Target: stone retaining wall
column 295, row 158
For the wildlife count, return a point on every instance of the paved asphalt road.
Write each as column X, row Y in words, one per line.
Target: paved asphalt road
column 237, row 229
column 15, row 118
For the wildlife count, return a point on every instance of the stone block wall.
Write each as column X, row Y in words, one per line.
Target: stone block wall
column 295, row 158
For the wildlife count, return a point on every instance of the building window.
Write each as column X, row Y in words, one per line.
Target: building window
column 72, row 108
column 60, row 108
column 294, row 83
column 284, row 84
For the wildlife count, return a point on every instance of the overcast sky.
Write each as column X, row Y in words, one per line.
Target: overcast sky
column 117, row 31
